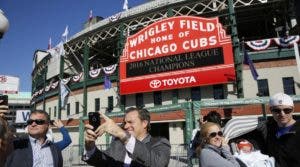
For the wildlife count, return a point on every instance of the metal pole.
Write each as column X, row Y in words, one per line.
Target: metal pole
column 189, row 125
column 120, row 47
column 236, row 50
column 188, row 121
column 85, row 66
column 44, row 94
column 81, row 135
column 61, row 75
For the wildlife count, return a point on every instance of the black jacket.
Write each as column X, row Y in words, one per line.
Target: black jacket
column 285, row 149
column 22, row 154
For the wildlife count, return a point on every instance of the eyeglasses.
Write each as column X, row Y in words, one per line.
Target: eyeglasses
column 214, row 134
column 285, row 110
column 37, row 121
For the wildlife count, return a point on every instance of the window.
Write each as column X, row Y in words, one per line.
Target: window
column 54, row 111
column 289, row 85
column 68, row 109
column 218, row 91
column 263, row 87
column 196, row 93
column 97, row 104
column 139, row 100
column 123, row 100
column 157, row 98
column 110, row 105
column 175, row 96
column 76, row 107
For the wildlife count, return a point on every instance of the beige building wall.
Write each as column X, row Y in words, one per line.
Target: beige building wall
column 274, row 76
column 176, row 132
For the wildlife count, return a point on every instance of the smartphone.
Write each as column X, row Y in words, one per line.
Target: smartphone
column 51, row 122
column 94, row 119
column 3, row 101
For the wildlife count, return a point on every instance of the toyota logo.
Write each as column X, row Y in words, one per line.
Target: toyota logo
column 155, row 84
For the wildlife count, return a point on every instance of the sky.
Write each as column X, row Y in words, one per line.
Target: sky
column 33, row 22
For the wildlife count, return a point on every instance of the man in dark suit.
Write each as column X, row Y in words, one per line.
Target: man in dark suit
column 133, row 145
column 35, row 149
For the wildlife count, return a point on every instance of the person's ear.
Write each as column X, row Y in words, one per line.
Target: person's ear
column 145, row 124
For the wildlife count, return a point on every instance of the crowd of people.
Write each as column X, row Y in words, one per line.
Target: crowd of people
column 133, row 146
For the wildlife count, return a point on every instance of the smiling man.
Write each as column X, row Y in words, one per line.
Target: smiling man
column 133, row 145
column 282, row 134
column 35, row 149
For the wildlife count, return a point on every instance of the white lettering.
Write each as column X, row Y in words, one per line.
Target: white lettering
column 179, row 81
column 199, row 43
column 197, row 25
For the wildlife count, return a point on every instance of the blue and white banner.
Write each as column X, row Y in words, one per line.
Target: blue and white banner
column 287, row 41
column 259, row 44
column 63, row 93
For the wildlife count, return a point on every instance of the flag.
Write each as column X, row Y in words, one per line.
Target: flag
column 90, row 16
column 57, row 51
column 63, row 93
column 65, row 34
column 49, row 43
column 107, row 83
column 125, row 5
column 296, row 49
column 249, row 62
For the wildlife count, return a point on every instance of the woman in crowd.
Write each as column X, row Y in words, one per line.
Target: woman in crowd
column 5, row 141
column 214, row 150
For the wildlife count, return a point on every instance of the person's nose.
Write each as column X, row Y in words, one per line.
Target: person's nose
column 126, row 126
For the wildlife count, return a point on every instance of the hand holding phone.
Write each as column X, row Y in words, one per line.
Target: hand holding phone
column 3, row 100
column 94, row 119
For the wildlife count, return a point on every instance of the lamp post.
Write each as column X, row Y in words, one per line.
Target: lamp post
column 4, row 24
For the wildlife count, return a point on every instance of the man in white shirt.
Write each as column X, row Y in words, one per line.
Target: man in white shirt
column 35, row 149
column 133, row 145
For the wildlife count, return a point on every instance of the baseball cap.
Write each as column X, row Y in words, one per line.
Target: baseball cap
column 281, row 99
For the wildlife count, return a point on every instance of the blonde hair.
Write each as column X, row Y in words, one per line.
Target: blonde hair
column 204, row 135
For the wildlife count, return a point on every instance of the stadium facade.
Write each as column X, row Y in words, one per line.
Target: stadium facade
column 102, row 70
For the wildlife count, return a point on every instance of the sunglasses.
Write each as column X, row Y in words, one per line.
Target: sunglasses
column 37, row 121
column 214, row 134
column 285, row 110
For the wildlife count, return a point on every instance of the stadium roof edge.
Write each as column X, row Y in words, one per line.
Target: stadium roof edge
column 125, row 14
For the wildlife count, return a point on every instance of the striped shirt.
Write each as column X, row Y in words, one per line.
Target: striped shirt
column 42, row 156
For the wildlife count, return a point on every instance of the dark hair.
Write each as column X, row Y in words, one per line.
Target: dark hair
column 143, row 115
column 41, row 112
column 3, row 134
column 213, row 116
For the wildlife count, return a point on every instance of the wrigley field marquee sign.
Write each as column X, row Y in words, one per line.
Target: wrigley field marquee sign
column 175, row 53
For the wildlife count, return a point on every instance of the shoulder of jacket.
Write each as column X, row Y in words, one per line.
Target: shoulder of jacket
column 21, row 142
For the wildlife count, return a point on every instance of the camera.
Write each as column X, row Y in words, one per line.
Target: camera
column 94, row 119
column 51, row 122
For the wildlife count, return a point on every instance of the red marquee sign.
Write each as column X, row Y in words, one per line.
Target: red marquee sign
column 177, row 52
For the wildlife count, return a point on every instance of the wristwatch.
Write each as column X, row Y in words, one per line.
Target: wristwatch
column 126, row 137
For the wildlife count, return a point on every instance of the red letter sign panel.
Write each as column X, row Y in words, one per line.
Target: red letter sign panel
column 174, row 53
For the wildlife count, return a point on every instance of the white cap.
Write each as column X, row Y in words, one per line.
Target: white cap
column 281, row 99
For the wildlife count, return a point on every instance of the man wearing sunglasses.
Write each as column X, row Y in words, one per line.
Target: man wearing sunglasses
column 282, row 134
column 35, row 149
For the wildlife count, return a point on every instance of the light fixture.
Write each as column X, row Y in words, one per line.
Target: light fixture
column 4, row 24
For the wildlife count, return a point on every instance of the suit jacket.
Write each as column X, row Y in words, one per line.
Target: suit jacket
column 151, row 152
column 22, row 154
